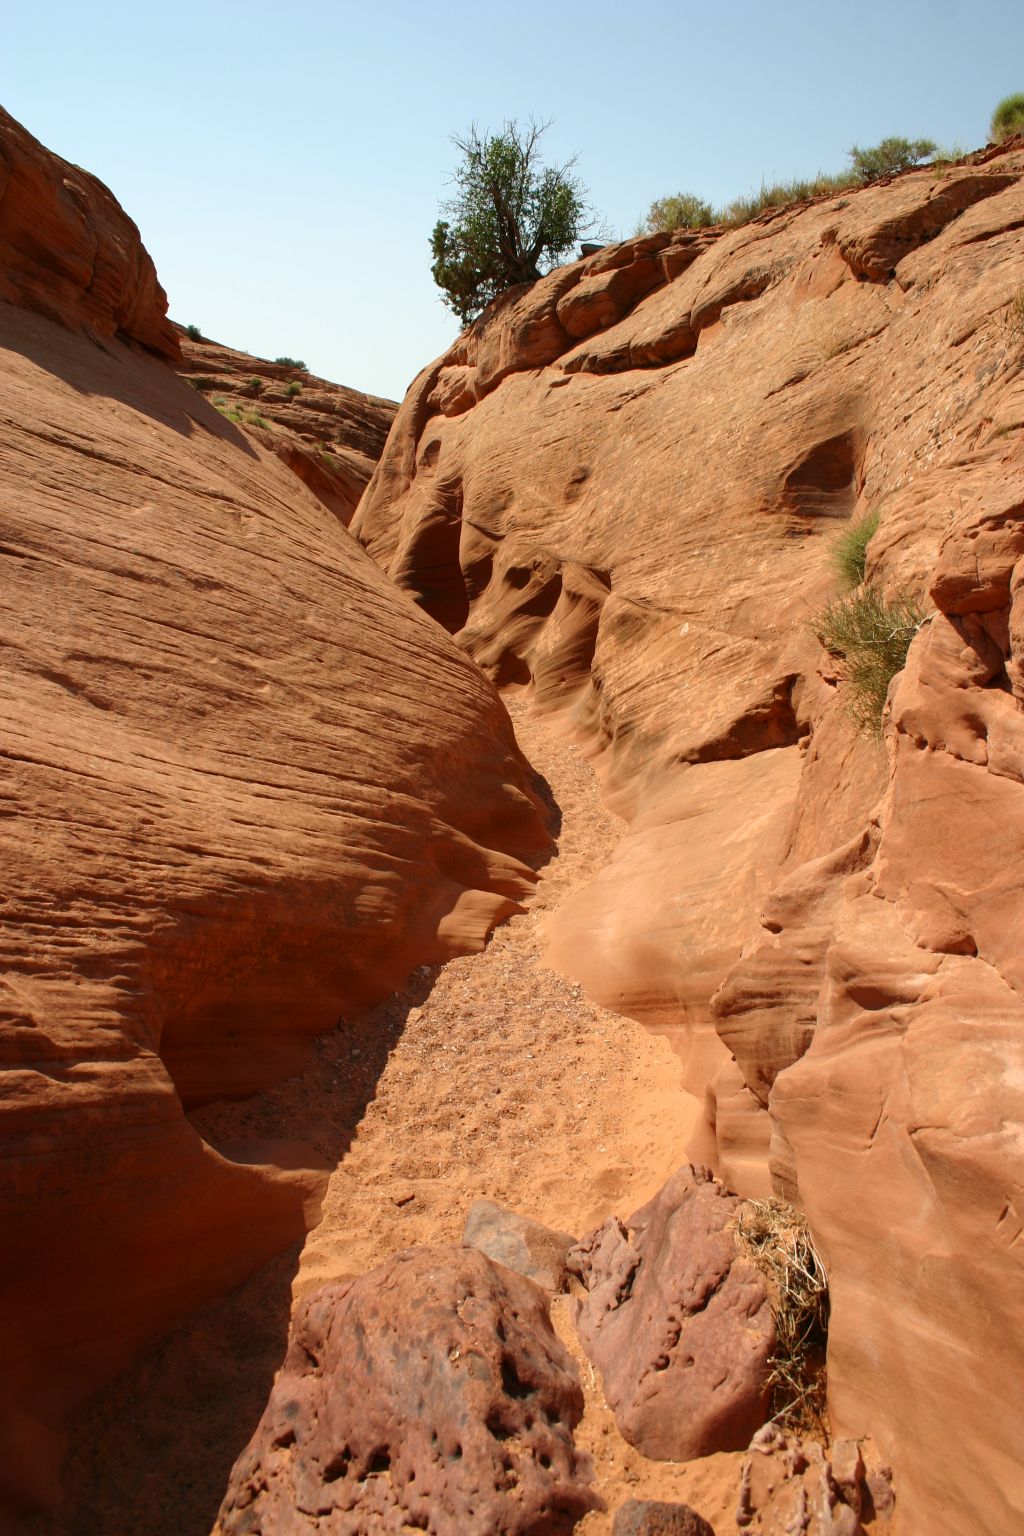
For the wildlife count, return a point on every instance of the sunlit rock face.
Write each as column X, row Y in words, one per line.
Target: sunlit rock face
column 620, row 488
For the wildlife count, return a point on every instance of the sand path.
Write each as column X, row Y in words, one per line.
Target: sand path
column 489, row 1076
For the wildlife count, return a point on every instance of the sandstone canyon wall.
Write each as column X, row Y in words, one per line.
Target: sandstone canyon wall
column 246, row 787
column 620, row 489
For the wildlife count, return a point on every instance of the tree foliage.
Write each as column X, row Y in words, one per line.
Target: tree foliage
column 890, row 156
column 1008, row 118
column 510, row 221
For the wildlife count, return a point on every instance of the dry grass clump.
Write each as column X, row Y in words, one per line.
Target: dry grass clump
column 783, row 194
column 1014, row 319
column 776, row 1237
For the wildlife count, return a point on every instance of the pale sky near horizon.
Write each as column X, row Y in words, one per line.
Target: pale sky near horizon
column 285, row 163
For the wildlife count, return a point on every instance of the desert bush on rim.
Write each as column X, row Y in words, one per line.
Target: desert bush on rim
column 871, row 635
column 1008, row 118
column 889, row 157
column 683, row 210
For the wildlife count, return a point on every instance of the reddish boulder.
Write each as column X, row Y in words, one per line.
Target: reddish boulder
column 678, row 1323
column 431, row 1394
column 651, row 1517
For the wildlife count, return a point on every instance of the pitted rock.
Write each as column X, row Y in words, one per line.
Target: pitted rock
column 430, row 1393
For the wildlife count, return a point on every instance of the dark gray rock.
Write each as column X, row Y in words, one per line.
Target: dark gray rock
column 520, row 1244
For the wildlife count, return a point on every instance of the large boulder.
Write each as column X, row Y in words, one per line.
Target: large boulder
column 431, row 1394
column 678, row 1322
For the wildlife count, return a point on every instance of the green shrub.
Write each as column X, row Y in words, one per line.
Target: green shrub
column 293, row 389
column 254, row 385
column 291, row 362
column 193, row 333
column 872, row 637
column 230, row 411
column 682, row 210
column 889, row 157
column 1008, row 118
column 849, row 557
column 254, row 419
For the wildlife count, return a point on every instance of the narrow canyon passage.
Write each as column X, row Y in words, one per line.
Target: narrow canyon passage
column 489, row 1076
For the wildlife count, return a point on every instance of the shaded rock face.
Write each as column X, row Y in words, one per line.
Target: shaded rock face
column 431, row 1393
column 328, row 435
column 69, row 251
column 248, row 787
column 678, row 1322
column 522, row 1245
column 622, row 491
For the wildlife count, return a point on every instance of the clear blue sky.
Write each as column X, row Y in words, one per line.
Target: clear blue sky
column 284, row 162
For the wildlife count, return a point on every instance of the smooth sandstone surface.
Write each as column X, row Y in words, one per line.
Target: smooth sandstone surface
column 246, row 787
column 620, row 490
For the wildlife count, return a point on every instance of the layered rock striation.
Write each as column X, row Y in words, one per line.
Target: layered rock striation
column 621, row 489
column 246, row 787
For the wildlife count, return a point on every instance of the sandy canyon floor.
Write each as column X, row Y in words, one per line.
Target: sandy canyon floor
column 489, row 1076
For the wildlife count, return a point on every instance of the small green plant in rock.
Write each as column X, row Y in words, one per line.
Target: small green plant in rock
column 871, row 635
column 889, row 157
column 849, row 557
column 255, row 385
column 776, row 1238
column 1008, row 118
column 291, row 362
column 254, row 419
column 293, row 389
column 193, row 333
column 683, row 210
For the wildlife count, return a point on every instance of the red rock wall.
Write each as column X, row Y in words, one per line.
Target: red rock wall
column 246, row 787
column 69, row 251
column 621, row 488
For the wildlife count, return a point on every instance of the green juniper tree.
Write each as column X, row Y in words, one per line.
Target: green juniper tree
column 510, row 221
